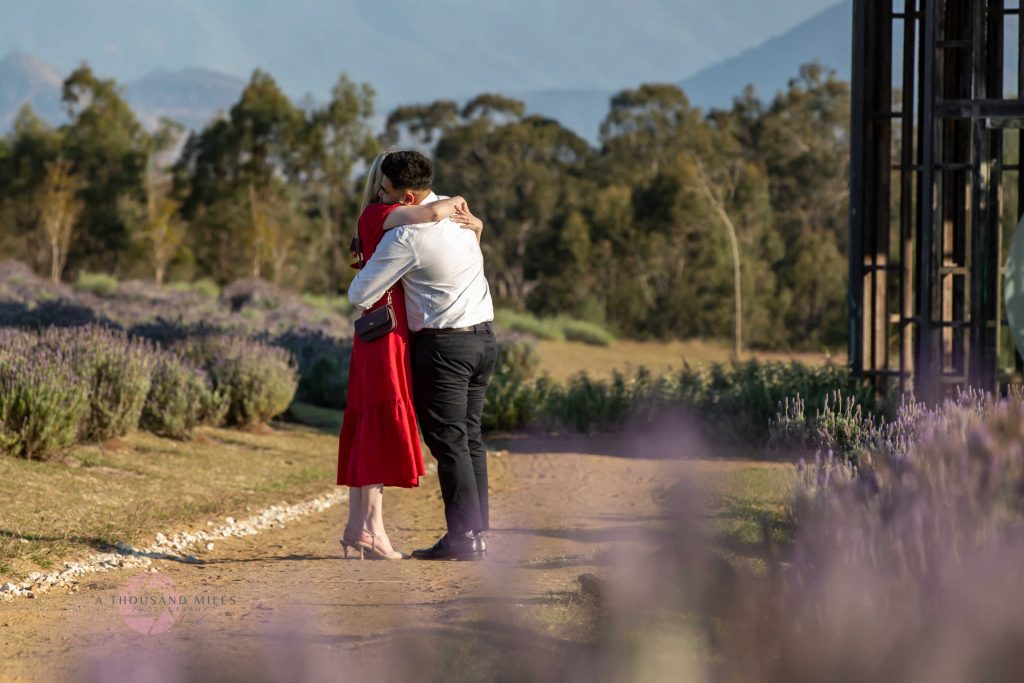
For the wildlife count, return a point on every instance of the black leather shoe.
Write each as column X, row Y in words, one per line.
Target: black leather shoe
column 464, row 546
column 479, row 536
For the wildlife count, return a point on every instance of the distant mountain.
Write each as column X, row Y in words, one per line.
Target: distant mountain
column 826, row 38
column 190, row 96
column 579, row 110
column 410, row 50
column 27, row 80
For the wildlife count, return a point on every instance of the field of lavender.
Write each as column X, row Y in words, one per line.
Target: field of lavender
column 95, row 360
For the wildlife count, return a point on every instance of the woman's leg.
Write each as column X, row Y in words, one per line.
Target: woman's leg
column 373, row 509
column 356, row 515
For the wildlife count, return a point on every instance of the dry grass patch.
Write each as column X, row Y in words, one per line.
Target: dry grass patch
column 128, row 490
column 562, row 359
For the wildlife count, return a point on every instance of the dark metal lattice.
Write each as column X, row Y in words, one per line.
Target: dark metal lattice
column 927, row 178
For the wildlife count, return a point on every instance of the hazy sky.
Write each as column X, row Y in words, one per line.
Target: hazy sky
column 417, row 47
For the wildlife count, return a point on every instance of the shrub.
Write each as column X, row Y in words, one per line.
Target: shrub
column 333, row 305
column 117, row 372
column 528, row 324
column 42, row 402
column 323, row 365
column 587, row 333
column 99, row 284
column 512, row 400
column 741, row 399
column 16, row 342
column 841, row 426
column 255, row 293
column 560, row 328
column 206, row 287
column 588, row 405
column 737, row 400
column 258, row 381
column 180, row 397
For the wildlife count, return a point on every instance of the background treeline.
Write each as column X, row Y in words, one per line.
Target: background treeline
column 631, row 234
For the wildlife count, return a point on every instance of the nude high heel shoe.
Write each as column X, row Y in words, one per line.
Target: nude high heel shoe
column 375, row 552
column 357, row 545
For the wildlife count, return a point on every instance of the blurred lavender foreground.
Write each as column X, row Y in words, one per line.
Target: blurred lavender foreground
column 902, row 568
column 906, row 567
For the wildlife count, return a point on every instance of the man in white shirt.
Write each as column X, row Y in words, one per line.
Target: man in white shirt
column 453, row 349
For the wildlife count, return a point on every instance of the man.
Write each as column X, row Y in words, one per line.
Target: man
column 453, row 349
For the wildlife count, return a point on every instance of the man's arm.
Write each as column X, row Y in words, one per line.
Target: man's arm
column 392, row 259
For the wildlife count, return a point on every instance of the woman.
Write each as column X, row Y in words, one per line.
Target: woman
column 379, row 443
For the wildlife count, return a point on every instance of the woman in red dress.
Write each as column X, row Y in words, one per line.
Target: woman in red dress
column 379, row 443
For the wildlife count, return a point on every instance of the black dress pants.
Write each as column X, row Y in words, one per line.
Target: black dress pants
column 450, row 375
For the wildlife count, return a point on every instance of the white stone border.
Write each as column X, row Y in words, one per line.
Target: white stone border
column 166, row 547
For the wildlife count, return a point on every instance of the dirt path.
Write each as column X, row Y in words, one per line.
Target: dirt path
column 284, row 605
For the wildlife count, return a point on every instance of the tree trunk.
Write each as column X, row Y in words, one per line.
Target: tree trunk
column 734, row 244
column 55, row 265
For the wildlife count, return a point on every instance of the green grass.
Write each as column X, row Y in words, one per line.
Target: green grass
column 738, row 500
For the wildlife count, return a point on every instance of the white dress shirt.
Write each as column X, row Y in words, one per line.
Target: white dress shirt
column 442, row 271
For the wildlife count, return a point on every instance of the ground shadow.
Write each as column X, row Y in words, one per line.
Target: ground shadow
column 611, row 533
column 101, row 545
column 95, row 542
column 58, row 313
column 294, row 557
column 633, row 444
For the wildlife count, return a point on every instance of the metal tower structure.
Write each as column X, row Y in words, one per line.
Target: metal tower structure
column 935, row 178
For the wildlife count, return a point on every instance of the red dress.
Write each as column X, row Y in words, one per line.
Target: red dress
column 379, row 442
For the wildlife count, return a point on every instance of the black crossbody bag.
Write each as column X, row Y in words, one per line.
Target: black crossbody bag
column 373, row 324
column 376, row 323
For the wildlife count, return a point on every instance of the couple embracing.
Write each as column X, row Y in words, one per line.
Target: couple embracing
column 421, row 282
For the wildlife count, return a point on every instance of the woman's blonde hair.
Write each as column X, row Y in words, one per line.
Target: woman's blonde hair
column 374, row 176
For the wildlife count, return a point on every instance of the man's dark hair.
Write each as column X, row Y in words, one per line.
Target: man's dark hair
column 408, row 170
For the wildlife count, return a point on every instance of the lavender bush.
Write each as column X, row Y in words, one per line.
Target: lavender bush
column 42, row 400
column 117, row 372
column 258, row 381
column 180, row 397
column 906, row 557
column 251, row 307
column 323, row 364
